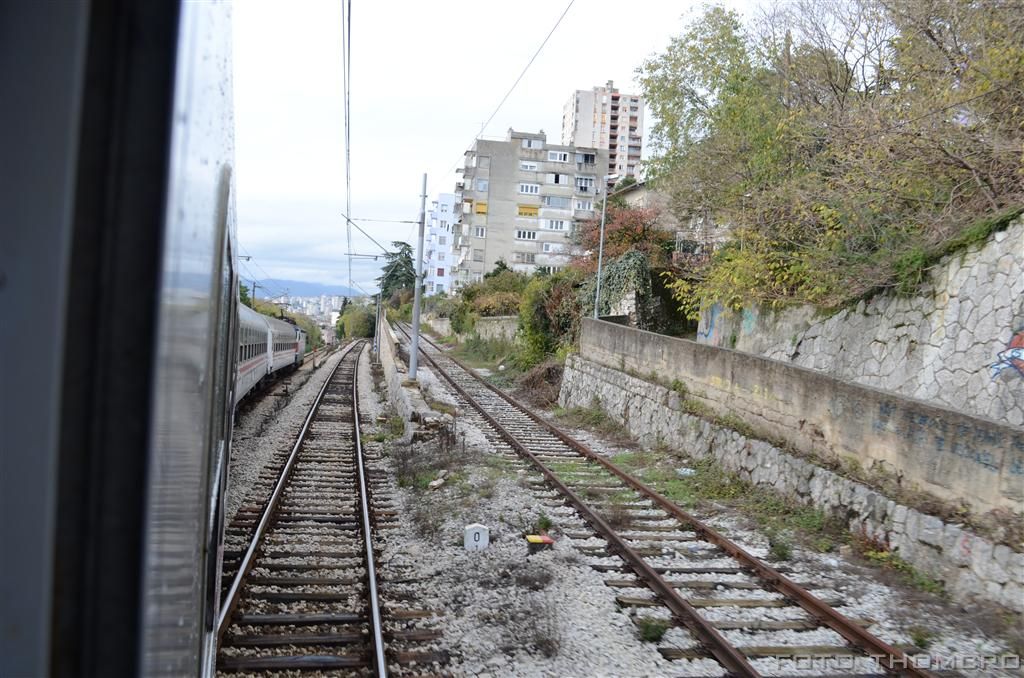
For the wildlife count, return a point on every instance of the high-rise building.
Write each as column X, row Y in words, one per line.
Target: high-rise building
column 437, row 244
column 521, row 199
column 604, row 118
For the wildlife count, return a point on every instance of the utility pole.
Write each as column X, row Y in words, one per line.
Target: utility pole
column 376, row 328
column 414, row 352
column 600, row 246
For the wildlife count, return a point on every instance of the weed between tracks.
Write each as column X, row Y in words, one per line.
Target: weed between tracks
column 779, row 518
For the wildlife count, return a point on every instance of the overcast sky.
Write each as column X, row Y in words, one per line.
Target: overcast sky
column 425, row 76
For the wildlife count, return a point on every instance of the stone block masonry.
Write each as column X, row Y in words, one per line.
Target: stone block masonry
column 971, row 567
column 496, row 327
column 958, row 343
column 952, row 456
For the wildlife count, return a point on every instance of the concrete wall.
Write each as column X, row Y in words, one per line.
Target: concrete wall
column 952, row 456
column 969, row 565
column 497, row 327
column 951, row 345
column 395, row 375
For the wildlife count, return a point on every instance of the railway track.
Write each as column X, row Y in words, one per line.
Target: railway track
column 661, row 557
column 302, row 588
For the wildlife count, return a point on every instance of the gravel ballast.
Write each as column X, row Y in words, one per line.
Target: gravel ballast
column 268, row 427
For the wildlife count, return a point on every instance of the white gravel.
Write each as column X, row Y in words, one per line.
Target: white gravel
column 508, row 613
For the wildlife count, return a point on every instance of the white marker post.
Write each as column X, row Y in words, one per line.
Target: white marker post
column 476, row 537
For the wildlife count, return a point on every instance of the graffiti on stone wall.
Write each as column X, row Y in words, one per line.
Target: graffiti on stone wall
column 707, row 333
column 1012, row 357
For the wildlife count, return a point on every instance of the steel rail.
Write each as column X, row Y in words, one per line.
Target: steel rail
column 234, row 593
column 371, row 569
column 734, row 661
column 890, row 659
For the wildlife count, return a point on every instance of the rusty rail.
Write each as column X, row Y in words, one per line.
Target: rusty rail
column 890, row 659
column 234, row 593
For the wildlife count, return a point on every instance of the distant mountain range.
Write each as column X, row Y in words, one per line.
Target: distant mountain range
column 297, row 288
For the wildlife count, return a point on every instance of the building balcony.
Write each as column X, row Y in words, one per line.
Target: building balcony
column 460, row 187
column 584, row 214
column 586, row 167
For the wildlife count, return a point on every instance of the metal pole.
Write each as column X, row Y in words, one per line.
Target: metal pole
column 414, row 351
column 376, row 328
column 600, row 253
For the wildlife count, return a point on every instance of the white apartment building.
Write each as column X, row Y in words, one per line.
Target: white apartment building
column 521, row 199
column 437, row 244
column 604, row 118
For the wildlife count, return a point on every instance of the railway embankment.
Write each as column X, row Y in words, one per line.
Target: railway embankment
column 901, row 472
column 407, row 397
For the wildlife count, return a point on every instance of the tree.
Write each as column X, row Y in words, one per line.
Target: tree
column 844, row 143
column 626, row 228
column 243, row 295
column 399, row 273
column 499, row 267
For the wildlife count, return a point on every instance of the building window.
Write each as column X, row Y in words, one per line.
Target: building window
column 548, row 247
column 526, row 235
column 586, row 158
column 585, row 184
column 524, row 257
column 528, row 166
column 440, row 273
column 557, row 179
column 529, row 189
column 483, row 161
column 478, row 255
column 533, row 143
column 584, row 205
column 439, row 288
column 480, row 185
column 444, row 208
column 442, row 240
column 480, row 208
column 480, row 232
column 440, row 256
column 528, row 210
column 554, row 224
column 558, row 156
column 556, row 201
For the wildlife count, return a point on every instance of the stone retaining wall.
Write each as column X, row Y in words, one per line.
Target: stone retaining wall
column 970, row 566
column 952, row 344
column 496, row 327
column 952, row 456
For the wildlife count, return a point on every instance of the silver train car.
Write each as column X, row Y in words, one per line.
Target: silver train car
column 118, row 251
column 267, row 347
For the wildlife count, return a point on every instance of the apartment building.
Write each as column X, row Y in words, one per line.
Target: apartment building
column 521, row 200
column 437, row 243
column 604, row 118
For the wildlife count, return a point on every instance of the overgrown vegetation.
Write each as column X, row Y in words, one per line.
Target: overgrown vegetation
column 783, row 520
column 846, row 145
column 879, row 554
column 356, row 320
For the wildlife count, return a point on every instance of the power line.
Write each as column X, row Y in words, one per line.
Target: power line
column 514, row 84
column 266, row 276
column 352, row 223
column 346, row 65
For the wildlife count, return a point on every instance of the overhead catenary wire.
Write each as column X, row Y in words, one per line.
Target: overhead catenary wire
column 346, row 75
column 276, row 291
column 516, row 83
